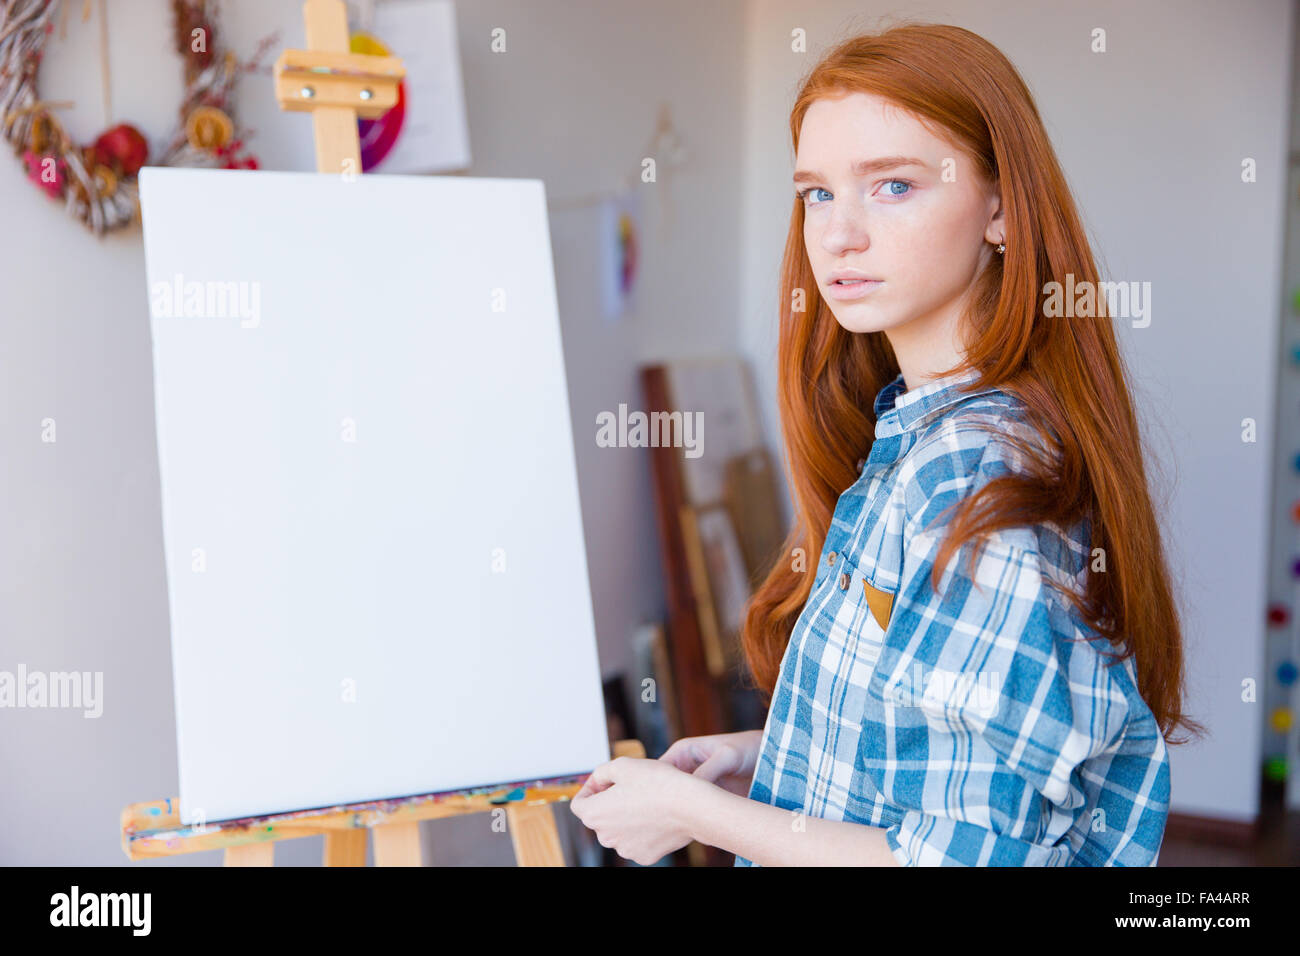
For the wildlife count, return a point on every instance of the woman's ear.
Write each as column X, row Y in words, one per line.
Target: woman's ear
column 996, row 230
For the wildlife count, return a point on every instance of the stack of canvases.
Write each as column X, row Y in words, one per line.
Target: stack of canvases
column 721, row 526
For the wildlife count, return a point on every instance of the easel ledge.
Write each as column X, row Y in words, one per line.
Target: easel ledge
column 154, row 829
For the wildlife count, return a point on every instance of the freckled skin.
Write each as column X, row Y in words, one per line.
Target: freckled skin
column 927, row 243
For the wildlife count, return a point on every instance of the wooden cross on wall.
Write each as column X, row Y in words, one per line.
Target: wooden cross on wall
column 335, row 85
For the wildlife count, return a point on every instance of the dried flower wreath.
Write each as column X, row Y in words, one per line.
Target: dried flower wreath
column 98, row 182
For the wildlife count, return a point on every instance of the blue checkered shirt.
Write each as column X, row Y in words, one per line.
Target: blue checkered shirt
column 978, row 724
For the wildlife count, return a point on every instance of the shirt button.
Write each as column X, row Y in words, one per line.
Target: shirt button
column 861, row 464
column 844, row 580
column 830, row 559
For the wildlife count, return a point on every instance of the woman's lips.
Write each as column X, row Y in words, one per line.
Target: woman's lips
column 845, row 289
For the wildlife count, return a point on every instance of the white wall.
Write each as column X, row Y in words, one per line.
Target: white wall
column 573, row 102
column 1151, row 135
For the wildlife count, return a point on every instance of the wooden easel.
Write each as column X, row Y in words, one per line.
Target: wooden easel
column 337, row 87
column 154, row 829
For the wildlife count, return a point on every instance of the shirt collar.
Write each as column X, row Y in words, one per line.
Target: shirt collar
column 899, row 409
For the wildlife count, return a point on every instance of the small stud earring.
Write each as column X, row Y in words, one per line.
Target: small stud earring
column 1002, row 247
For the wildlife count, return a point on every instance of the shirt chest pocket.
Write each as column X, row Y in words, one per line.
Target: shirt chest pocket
column 854, row 612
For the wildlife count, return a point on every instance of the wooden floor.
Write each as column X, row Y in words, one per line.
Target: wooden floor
column 1278, row 843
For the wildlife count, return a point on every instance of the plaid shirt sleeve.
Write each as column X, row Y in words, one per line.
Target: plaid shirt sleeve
column 1002, row 722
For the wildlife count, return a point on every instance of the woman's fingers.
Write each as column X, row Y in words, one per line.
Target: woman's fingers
column 683, row 754
column 722, row 762
column 600, row 779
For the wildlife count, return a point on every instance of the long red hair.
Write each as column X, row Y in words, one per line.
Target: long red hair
column 1068, row 373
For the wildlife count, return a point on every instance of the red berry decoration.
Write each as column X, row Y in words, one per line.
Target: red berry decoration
column 123, row 149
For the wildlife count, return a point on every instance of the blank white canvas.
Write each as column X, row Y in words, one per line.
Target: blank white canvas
column 435, row 565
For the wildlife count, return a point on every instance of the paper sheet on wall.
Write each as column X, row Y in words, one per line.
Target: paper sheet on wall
column 431, row 134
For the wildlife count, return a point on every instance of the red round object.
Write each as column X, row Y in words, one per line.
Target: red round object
column 1278, row 615
column 123, row 147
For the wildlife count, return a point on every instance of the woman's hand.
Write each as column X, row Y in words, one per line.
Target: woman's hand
column 643, row 809
column 724, row 759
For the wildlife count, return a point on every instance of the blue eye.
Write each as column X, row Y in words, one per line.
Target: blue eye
column 812, row 189
column 890, row 191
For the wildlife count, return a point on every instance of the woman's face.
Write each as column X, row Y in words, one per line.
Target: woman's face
column 888, row 201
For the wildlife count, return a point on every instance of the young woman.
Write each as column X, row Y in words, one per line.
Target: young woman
column 983, row 663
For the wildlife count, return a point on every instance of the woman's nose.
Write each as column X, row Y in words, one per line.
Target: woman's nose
column 846, row 231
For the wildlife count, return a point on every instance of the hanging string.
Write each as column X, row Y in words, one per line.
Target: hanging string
column 594, row 198
column 665, row 146
column 105, row 74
